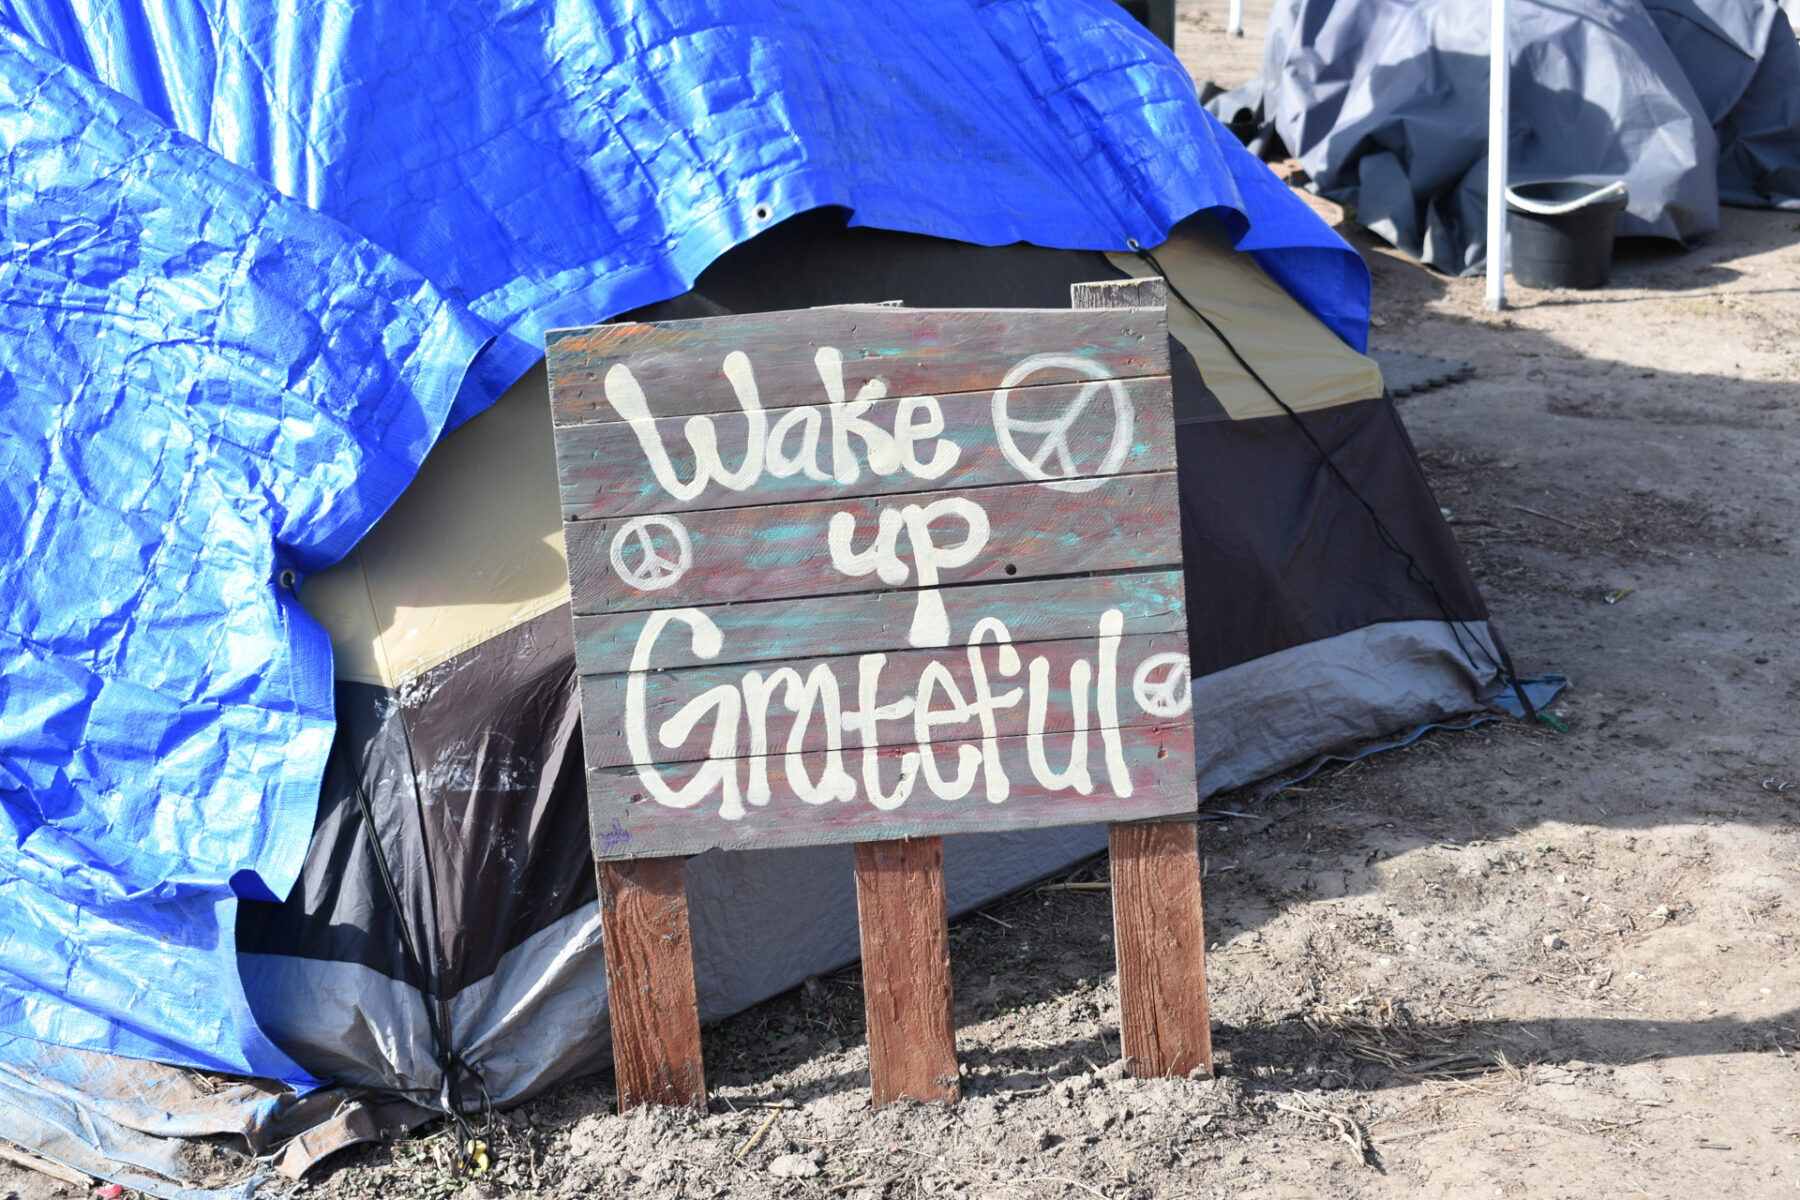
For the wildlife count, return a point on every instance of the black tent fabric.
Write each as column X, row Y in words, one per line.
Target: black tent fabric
column 1384, row 102
column 443, row 941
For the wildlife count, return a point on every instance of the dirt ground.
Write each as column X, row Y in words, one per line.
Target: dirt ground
column 1504, row 962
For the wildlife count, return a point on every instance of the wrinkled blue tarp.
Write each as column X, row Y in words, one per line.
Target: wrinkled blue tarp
column 202, row 384
column 261, row 254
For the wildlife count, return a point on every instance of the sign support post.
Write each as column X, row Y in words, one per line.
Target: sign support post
column 650, row 983
column 1164, row 1025
column 905, row 928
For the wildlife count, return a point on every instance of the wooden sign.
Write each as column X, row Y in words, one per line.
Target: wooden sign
column 871, row 573
column 874, row 572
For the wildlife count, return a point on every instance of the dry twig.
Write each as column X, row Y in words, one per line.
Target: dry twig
column 1534, row 512
column 1059, row 1179
column 1347, row 1127
column 758, row 1135
column 44, row 1166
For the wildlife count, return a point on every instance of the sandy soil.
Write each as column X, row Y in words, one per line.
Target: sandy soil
column 1505, row 962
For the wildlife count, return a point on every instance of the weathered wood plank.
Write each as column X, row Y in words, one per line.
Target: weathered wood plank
column 1150, row 292
column 1129, row 521
column 905, row 930
column 766, row 721
column 679, row 365
column 1161, row 939
column 900, row 445
column 650, row 992
column 1034, row 610
column 628, row 822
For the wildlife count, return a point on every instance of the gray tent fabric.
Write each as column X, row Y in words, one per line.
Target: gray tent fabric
column 761, row 923
column 1744, row 64
column 1385, row 104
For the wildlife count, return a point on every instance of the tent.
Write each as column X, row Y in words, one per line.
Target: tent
column 1692, row 103
column 458, row 719
column 315, row 827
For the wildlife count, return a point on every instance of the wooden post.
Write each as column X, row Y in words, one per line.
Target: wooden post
column 1158, row 929
column 1161, row 939
column 650, row 983
column 906, row 970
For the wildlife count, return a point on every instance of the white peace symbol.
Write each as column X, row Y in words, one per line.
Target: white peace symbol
column 1173, row 694
column 1056, row 430
column 654, row 570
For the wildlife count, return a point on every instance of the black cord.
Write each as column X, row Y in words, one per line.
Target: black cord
column 1503, row 664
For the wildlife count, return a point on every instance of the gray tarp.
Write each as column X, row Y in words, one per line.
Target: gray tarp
column 1385, row 104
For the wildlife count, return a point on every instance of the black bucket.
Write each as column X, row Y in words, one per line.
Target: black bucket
column 1560, row 231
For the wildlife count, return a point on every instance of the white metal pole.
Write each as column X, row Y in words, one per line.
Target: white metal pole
column 1499, row 123
column 1234, row 24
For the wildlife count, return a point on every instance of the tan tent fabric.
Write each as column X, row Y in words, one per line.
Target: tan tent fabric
column 473, row 547
column 1308, row 366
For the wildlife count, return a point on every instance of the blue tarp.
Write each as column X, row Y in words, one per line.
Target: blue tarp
column 262, row 254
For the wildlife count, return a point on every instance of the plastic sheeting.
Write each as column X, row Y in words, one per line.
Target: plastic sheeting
column 1385, row 104
column 202, row 385
column 263, row 253
column 548, row 163
column 127, row 1120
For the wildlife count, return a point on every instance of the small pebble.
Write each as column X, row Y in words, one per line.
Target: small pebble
column 1553, row 942
column 793, row 1166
